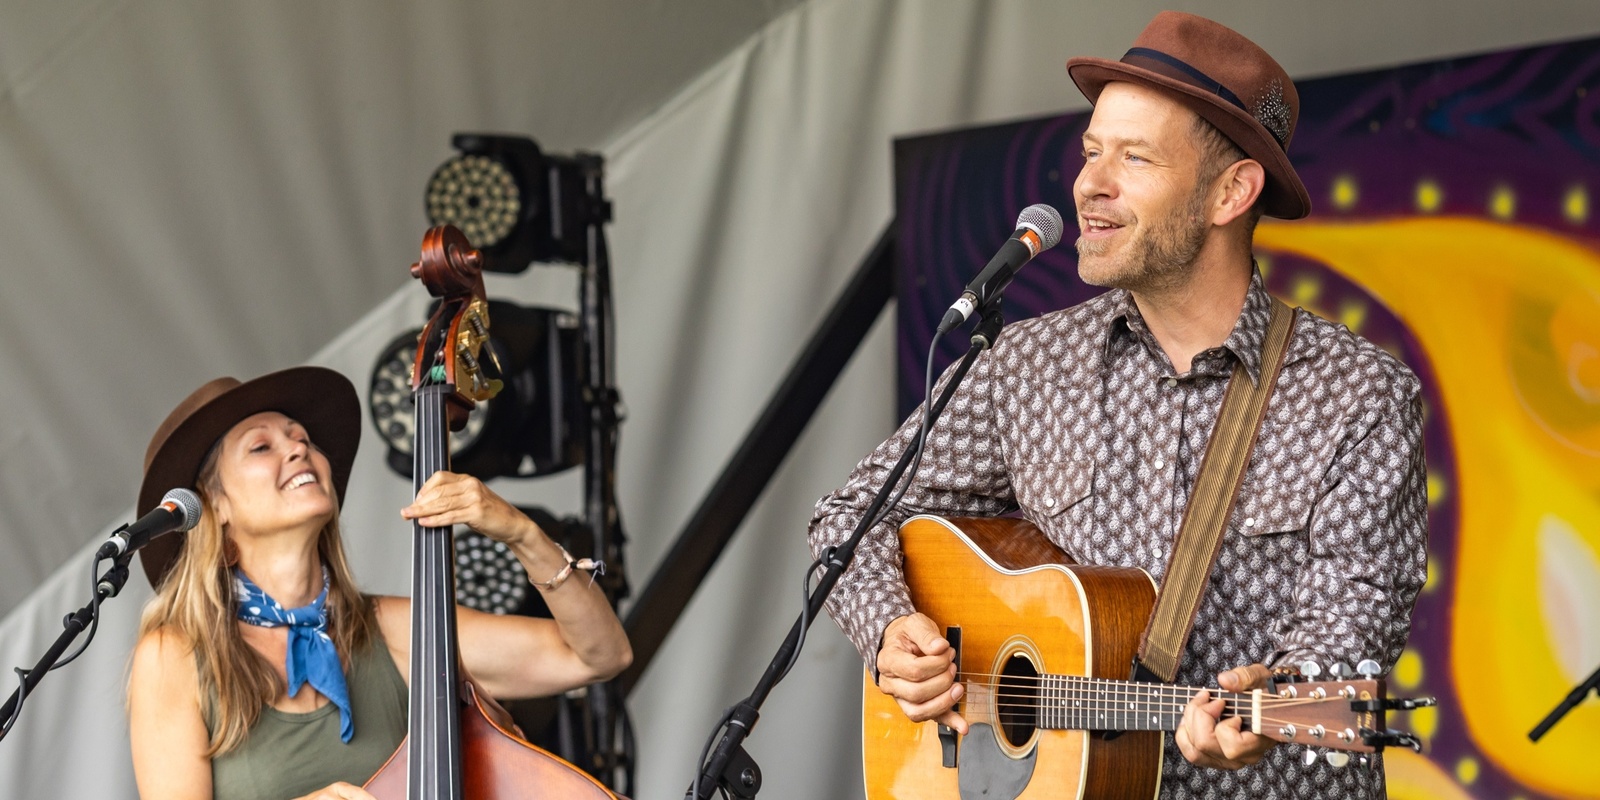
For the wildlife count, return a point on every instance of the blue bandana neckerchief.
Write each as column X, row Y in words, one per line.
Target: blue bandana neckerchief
column 311, row 657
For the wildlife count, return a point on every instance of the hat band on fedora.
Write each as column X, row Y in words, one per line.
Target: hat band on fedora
column 1180, row 70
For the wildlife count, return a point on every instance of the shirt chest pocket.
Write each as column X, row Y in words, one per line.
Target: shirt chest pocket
column 1055, row 495
column 1270, row 505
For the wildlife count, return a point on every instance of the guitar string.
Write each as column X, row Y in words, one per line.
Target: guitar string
column 1111, row 706
column 1104, row 686
column 1266, row 722
column 1118, row 705
column 1102, row 706
column 1059, row 705
column 1272, row 701
column 1114, row 681
column 1157, row 699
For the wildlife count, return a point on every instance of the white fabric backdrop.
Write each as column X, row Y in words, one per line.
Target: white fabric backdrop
column 259, row 167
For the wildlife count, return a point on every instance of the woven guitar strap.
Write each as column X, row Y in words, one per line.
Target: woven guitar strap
column 1211, row 505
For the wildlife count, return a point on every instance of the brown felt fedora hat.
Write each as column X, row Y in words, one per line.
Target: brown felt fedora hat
column 322, row 400
column 1225, row 78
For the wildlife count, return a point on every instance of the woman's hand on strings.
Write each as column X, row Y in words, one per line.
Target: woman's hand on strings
column 451, row 499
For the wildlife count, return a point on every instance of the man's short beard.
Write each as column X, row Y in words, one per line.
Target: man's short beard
column 1159, row 260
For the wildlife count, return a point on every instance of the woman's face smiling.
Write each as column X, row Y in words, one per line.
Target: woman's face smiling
column 273, row 479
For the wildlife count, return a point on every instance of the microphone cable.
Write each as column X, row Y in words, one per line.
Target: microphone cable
column 902, row 486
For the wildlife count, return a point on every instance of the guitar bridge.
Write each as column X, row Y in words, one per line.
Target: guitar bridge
column 949, row 740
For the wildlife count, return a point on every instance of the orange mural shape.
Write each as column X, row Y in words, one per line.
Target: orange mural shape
column 1509, row 319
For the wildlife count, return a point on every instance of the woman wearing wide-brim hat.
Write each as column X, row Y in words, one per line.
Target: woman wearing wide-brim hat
column 261, row 670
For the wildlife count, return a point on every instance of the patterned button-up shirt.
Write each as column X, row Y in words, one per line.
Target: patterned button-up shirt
column 1078, row 419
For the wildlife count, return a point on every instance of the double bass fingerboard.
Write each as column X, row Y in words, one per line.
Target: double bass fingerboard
column 435, row 725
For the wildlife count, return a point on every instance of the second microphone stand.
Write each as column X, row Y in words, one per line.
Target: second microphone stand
column 730, row 767
column 107, row 586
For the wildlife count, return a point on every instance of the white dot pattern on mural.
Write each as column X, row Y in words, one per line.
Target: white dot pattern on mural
column 1067, row 419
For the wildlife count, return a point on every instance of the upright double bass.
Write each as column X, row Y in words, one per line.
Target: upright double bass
column 454, row 750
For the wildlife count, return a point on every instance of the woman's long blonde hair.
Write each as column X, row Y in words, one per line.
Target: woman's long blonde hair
column 196, row 599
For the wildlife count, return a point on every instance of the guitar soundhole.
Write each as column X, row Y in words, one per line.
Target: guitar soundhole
column 1018, row 700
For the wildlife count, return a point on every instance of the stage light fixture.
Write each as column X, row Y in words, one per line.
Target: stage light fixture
column 532, row 428
column 478, row 195
column 515, row 203
column 490, row 579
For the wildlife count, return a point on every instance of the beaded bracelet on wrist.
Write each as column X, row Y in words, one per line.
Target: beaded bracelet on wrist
column 588, row 565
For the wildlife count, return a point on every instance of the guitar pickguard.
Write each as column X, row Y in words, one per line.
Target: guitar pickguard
column 986, row 772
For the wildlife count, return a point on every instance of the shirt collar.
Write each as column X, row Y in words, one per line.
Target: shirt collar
column 1244, row 341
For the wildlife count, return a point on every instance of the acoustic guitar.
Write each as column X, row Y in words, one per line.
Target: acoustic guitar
column 1043, row 647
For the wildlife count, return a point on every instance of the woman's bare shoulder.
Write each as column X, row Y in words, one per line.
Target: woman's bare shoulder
column 393, row 615
column 164, row 663
column 391, row 611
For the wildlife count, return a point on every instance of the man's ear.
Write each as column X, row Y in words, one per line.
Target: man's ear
column 1241, row 183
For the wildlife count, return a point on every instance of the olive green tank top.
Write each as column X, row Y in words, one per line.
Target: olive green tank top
column 289, row 755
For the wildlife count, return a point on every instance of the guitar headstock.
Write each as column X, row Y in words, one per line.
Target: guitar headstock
column 452, row 347
column 1346, row 715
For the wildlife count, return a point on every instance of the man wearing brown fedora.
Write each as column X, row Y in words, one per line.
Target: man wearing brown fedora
column 1094, row 421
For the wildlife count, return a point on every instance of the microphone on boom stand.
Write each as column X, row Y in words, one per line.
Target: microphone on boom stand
column 1038, row 229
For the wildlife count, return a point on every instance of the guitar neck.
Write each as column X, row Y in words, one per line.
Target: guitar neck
column 1072, row 702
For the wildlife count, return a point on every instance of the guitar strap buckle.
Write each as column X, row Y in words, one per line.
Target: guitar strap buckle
column 1142, row 674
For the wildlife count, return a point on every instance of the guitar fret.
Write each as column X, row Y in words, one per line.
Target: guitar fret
column 1073, row 702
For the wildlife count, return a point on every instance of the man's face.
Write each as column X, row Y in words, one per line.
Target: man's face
column 1142, row 214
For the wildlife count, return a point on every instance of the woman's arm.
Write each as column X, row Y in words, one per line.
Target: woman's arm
column 513, row 656
column 168, row 733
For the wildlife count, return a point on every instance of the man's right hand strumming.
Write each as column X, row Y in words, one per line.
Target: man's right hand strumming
column 916, row 666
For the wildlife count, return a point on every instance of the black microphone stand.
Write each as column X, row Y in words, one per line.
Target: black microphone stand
column 730, row 766
column 1573, row 698
column 106, row 586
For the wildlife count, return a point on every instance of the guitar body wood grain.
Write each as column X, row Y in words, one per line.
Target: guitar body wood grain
column 1013, row 593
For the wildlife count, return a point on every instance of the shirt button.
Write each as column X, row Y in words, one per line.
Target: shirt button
column 1049, row 502
column 1249, row 522
column 1156, row 551
column 1160, row 464
column 1171, row 382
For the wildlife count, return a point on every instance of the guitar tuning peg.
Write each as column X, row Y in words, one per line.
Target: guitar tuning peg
column 1310, row 670
column 1337, row 759
column 1369, row 668
column 1341, row 670
column 1309, row 757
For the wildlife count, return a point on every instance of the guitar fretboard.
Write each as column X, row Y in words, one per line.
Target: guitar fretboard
column 1072, row 702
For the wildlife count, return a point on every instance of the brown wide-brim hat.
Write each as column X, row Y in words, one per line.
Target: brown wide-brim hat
column 320, row 399
column 1226, row 79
